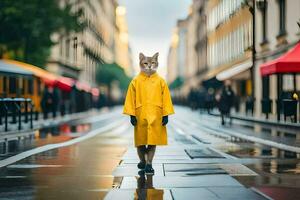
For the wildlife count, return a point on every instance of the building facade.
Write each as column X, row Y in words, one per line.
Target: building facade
column 229, row 44
column 172, row 69
column 276, row 32
column 190, row 67
column 177, row 58
column 123, row 55
column 201, row 44
column 77, row 55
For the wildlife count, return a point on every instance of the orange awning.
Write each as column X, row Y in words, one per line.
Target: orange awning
column 47, row 77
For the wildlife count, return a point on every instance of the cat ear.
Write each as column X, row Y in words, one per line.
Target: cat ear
column 142, row 56
column 155, row 56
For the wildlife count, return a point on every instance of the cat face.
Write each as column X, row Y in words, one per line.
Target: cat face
column 148, row 65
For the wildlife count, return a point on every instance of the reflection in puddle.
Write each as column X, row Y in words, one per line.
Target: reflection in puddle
column 145, row 189
column 42, row 137
column 254, row 150
column 275, row 167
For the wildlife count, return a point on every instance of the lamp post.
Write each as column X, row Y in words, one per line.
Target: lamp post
column 251, row 5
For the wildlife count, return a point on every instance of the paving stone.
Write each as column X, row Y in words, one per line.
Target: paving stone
column 237, row 170
column 215, row 193
column 193, row 193
column 192, row 169
column 132, row 170
column 191, row 181
column 228, row 193
column 185, row 161
column 155, row 194
column 200, row 169
column 203, row 153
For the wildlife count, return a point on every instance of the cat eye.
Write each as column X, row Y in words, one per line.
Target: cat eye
column 153, row 63
column 145, row 63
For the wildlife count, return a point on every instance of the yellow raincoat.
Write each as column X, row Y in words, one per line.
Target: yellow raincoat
column 148, row 98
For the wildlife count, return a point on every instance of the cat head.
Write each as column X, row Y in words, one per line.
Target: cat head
column 148, row 65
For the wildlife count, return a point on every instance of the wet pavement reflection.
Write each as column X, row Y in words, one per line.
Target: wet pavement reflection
column 42, row 137
column 104, row 166
column 81, row 171
column 145, row 189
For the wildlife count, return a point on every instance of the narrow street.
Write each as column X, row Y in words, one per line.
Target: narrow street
column 94, row 158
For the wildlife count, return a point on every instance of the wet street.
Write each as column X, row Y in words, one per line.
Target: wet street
column 94, row 158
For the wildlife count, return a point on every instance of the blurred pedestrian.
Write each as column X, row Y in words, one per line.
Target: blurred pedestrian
column 49, row 102
column 46, row 102
column 209, row 100
column 226, row 101
column 192, row 99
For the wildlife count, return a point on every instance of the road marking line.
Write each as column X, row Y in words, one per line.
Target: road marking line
column 30, row 166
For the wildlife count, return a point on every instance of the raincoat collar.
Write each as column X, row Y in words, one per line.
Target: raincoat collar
column 144, row 75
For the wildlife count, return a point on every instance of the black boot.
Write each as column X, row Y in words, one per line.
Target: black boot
column 149, row 170
column 141, row 165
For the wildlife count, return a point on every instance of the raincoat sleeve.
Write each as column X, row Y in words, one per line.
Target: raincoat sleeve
column 167, row 101
column 129, row 105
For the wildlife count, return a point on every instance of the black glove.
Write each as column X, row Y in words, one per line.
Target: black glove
column 133, row 120
column 165, row 120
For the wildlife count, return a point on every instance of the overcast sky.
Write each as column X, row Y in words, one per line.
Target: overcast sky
column 150, row 25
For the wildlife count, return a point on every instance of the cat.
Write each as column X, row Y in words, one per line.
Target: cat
column 149, row 65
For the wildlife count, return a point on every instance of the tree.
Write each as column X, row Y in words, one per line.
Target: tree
column 107, row 73
column 27, row 25
column 177, row 83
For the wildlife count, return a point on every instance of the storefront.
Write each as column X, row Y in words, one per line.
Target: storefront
column 286, row 69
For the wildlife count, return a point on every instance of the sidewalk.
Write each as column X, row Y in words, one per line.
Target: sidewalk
column 103, row 165
column 261, row 120
column 184, row 170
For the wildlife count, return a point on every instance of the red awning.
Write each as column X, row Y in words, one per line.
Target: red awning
column 83, row 86
column 287, row 63
column 65, row 83
column 95, row 92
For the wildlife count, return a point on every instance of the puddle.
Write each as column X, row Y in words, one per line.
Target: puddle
column 276, row 168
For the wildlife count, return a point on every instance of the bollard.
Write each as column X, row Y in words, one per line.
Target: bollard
column 31, row 114
column 14, row 112
column 36, row 115
column 13, row 107
column 6, row 118
column 1, row 111
column 20, row 115
column 26, row 111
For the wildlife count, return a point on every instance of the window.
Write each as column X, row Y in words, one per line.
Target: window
column 40, row 87
column 282, row 16
column 67, row 47
column 266, row 87
column 22, row 85
column 262, row 6
column 30, row 86
column 12, row 85
column 4, row 84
